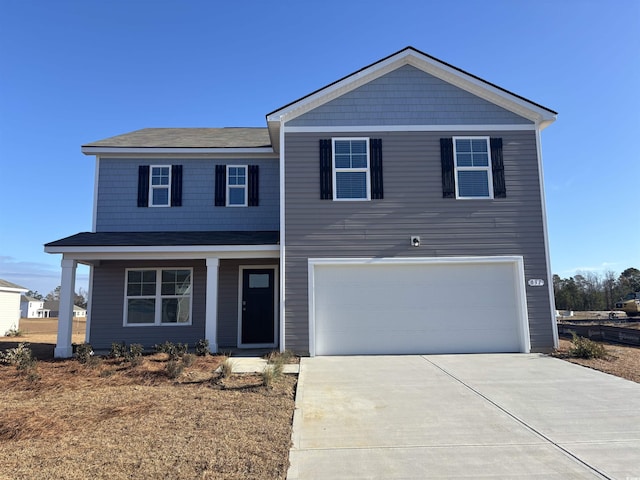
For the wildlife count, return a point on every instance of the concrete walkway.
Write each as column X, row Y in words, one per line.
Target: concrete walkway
column 462, row 416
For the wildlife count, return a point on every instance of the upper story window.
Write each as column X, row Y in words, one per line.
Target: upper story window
column 159, row 193
column 351, row 169
column 472, row 167
column 236, row 186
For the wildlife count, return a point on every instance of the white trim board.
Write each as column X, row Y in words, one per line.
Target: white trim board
column 410, row 128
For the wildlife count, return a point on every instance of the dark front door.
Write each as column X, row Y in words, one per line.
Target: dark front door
column 258, row 307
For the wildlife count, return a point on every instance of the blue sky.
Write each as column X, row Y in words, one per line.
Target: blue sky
column 76, row 71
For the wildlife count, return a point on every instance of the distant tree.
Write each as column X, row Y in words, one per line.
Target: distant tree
column 81, row 298
column 630, row 280
column 34, row 294
column 53, row 295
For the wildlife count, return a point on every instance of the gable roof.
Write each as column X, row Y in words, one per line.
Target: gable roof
column 153, row 139
column 11, row 287
column 25, row 298
column 491, row 92
column 55, row 306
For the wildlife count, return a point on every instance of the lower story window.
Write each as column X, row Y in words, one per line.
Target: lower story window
column 158, row 296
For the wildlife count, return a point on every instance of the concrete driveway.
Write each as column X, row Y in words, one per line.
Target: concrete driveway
column 462, row 416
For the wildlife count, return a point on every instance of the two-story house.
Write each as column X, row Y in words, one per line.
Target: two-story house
column 399, row 209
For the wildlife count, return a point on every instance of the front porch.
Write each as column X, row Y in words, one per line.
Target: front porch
column 219, row 266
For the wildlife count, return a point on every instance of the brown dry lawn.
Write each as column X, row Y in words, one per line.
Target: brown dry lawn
column 114, row 420
column 621, row 360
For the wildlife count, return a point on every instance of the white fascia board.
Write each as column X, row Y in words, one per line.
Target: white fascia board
column 451, row 75
column 172, row 151
column 13, row 290
column 191, row 251
column 413, row 128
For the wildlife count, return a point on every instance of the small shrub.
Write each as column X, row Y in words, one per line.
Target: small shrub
column 14, row 332
column 83, row 353
column 174, row 368
column 118, row 350
column 271, row 374
column 174, row 350
column 226, row 368
column 21, row 357
column 188, row 359
column 135, row 351
column 202, row 347
column 586, row 348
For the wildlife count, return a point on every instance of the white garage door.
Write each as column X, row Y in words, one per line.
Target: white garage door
column 408, row 306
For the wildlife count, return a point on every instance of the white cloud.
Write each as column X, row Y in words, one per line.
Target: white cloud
column 41, row 277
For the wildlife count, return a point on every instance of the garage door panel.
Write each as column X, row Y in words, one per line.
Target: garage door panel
column 416, row 308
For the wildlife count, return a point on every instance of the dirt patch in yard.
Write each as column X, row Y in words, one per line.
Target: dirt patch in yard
column 621, row 361
column 67, row 420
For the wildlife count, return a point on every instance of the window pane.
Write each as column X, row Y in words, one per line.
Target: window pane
column 141, row 283
column 258, row 280
column 175, row 310
column 160, row 196
column 480, row 160
column 176, row 282
column 464, row 160
column 359, row 147
column 479, row 145
column 359, row 161
column 236, row 196
column 463, row 146
column 343, row 161
column 160, row 176
column 351, row 185
column 473, row 184
column 237, row 176
column 343, row 147
column 141, row 310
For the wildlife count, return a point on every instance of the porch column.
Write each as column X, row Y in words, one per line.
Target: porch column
column 65, row 316
column 211, row 316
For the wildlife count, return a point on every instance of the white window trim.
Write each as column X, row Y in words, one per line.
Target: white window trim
column 488, row 169
column 157, row 297
column 335, row 170
column 152, row 187
column 246, row 185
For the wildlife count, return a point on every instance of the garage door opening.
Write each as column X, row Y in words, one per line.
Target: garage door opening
column 417, row 306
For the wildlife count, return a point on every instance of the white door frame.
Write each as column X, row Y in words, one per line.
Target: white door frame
column 276, row 309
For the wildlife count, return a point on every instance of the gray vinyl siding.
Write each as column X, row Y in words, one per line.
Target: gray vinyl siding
column 408, row 96
column 117, row 209
column 413, row 205
column 107, row 307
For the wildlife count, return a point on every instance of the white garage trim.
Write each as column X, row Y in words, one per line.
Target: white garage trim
column 516, row 262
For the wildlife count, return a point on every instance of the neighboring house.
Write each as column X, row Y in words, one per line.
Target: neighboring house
column 53, row 309
column 10, row 306
column 399, row 209
column 32, row 308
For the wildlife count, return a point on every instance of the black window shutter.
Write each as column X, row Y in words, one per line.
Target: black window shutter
column 326, row 173
column 254, row 186
column 497, row 169
column 221, row 186
column 375, row 147
column 448, row 172
column 143, row 186
column 176, row 186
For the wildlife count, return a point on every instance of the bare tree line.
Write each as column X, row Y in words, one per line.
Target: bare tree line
column 594, row 291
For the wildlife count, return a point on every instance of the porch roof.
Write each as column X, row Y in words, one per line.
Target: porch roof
column 166, row 239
